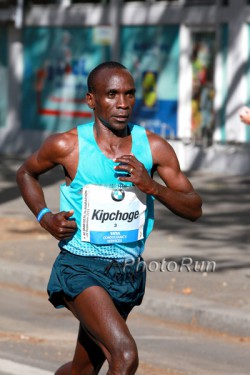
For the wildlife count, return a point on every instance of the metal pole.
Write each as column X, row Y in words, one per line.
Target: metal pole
column 19, row 14
column 115, row 22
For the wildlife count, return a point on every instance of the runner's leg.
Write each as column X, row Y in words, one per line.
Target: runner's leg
column 88, row 358
column 103, row 323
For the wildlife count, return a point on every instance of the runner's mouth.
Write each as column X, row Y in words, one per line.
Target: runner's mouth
column 122, row 118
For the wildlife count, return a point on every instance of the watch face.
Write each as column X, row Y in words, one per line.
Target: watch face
column 118, row 195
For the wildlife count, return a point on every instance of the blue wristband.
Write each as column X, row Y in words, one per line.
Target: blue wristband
column 42, row 213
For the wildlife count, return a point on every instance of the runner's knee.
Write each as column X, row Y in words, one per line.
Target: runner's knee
column 125, row 357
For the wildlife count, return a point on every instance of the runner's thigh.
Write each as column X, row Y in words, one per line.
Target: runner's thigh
column 100, row 318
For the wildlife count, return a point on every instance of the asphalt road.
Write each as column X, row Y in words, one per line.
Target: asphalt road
column 36, row 339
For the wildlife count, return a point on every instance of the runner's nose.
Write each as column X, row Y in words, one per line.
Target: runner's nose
column 122, row 102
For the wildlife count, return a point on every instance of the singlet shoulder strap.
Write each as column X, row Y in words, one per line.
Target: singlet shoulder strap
column 85, row 130
column 140, row 145
column 85, row 134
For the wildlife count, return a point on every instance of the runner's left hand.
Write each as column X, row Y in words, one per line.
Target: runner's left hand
column 137, row 173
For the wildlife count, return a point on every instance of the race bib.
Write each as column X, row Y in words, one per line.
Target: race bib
column 112, row 214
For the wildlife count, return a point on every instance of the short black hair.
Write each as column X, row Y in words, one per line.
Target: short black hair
column 98, row 68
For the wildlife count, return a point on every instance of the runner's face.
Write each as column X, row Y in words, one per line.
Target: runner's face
column 114, row 98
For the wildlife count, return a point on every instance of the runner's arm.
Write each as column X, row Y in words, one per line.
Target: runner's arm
column 49, row 155
column 177, row 193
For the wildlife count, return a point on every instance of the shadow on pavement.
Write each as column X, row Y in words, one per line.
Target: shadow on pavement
column 8, row 169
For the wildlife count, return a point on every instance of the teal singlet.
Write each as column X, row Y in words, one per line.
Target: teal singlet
column 94, row 168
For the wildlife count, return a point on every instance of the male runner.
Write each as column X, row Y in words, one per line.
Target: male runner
column 105, row 217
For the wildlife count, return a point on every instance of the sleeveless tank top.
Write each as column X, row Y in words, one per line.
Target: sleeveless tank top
column 94, row 167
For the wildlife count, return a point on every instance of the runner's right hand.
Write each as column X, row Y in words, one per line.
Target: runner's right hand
column 60, row 225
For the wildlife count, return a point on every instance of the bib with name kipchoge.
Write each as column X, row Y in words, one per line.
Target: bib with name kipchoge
column 112, row 214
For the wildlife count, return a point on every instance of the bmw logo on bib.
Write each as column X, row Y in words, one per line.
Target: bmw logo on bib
column 118, row 195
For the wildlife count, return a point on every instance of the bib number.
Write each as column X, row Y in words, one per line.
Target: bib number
column 112, row 215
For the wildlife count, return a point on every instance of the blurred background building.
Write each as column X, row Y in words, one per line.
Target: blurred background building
column 190, row 60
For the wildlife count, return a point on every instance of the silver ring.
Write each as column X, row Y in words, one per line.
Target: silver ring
column 131, row 170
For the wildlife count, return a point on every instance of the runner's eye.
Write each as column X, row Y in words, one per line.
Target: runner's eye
column 111, row 93
column 131, row 94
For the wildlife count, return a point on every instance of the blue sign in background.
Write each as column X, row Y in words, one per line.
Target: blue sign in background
column 57, row 62
column 151, row 53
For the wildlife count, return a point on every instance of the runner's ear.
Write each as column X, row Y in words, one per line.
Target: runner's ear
column 90, row 100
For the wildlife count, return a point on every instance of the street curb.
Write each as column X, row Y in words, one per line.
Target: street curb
column 197, row 312
column 24, row 275
column 177, row 308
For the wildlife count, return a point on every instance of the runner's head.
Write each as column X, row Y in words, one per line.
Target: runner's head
column 111, row 95
column 92, row 78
